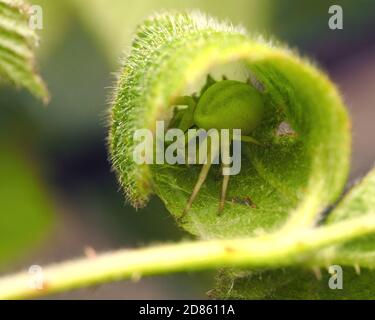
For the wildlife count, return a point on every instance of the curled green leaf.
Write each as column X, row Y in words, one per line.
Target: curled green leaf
column 300, row 165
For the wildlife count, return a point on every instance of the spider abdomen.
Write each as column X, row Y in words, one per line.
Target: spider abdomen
column 229, row 104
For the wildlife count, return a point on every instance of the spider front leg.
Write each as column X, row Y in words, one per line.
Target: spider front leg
column 213, row 152
column 225, row 165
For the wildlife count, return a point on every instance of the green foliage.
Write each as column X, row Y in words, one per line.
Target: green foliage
column 25, row 210
column 294, row 283
column 359, row 202
column 17, row 41
column 298, row 170
column 124, row 16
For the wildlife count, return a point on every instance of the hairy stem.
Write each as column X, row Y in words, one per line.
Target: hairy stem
column 273, row 250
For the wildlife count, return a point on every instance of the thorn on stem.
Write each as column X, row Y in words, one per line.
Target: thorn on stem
column 90, row 252
column 317, row 273
column 357, row 269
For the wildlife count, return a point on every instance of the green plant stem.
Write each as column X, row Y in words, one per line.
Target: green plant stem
column 273, row 250
column 306, row 214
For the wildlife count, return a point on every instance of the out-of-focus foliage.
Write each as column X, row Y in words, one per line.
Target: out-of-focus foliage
column 17, row 41
column 25, row 210
column 57, row 25
column 309, row 23
column 112, row 23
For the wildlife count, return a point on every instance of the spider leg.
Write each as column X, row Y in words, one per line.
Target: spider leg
column 226, row 177
column 224, row 189
column 249, row 139
column 225, row 163
column 201, row 179
column 211, row 155
column 185, row 146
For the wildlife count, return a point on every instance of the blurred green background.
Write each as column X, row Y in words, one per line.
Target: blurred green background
column 58, row 195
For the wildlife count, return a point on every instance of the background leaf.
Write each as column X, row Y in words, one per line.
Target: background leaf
column 25, row 210
column 17, row 40
column 119, row 24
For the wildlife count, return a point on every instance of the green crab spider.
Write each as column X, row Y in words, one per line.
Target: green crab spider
column 225, row 104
